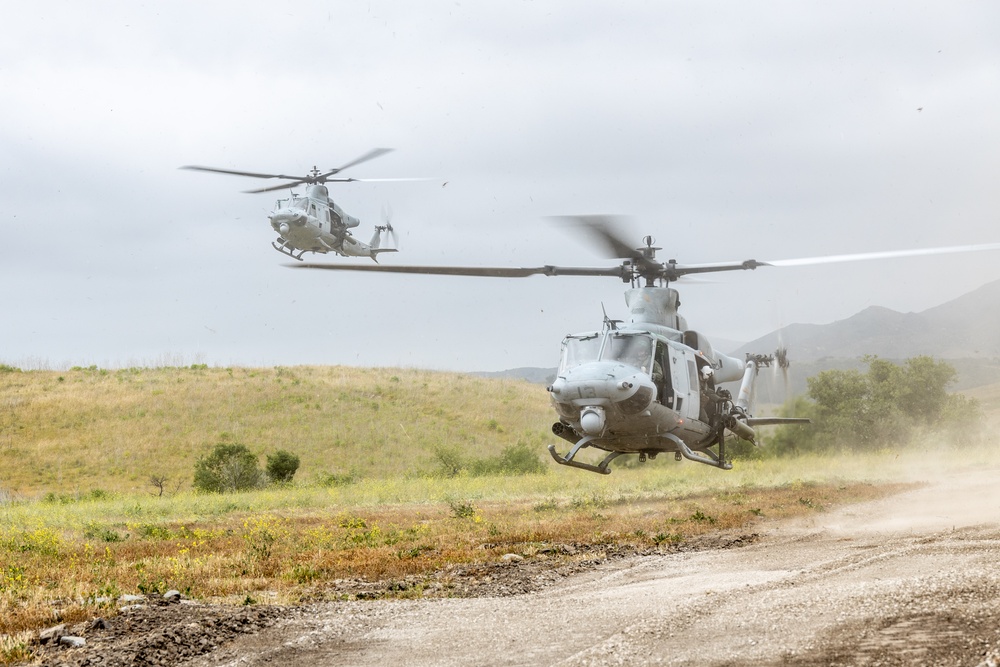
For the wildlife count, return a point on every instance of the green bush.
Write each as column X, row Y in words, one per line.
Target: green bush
column 230, row 467
column 281, row 466
column 518, row 459
column 326, row 478
column 450, row 463
column 884, row 407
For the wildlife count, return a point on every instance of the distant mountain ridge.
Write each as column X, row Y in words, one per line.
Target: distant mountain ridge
column 965, row 328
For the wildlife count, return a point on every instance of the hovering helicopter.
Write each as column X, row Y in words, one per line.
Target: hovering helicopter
column 650, row 385
column 314, row 223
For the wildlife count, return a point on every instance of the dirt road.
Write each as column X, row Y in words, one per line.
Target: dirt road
column 910, row 580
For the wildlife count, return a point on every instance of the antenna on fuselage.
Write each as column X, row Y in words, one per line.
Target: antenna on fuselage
column 609, row 324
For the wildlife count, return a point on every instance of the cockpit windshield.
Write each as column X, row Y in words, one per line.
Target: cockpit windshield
column 578, row 350
column 298, row 203
column 634, row 351
column 631, row 349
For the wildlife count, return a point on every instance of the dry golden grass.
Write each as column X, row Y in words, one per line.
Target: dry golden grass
column 78, row 430
column 69, row 562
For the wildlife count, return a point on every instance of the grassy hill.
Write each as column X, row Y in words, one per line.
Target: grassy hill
column 77, row 430
column 85, row 429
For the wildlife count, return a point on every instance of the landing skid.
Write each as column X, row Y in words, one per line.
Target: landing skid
column 679, row 447
column 705, row 456
column 601, row 468
column 285, row 249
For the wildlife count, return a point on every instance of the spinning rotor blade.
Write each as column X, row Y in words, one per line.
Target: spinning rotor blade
column 606, row 229
column 237, row 173
column 476, row 271
column 379, row 180
column 675, row 271
column 280, row 186
column 322, row 179
column 387, row 223
column 314, row 177
column 887, row 254
column 370, row 155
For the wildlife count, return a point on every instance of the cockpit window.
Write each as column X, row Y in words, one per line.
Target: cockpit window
column 634, row 351
column 578, row 350
column 292, row 203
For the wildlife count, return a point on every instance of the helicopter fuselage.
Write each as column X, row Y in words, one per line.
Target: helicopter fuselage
column 314, row 223
column 646, row 387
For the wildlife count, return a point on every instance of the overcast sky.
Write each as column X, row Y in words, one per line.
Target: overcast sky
column 726, row 130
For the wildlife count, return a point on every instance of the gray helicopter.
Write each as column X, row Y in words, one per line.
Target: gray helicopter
column 313, row 222
column 650, row 385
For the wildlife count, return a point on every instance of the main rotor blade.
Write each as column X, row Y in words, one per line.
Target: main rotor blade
column 607, row 230
column 345, row 179
column 476, row 271
column 296, row 183
column 604, row 228
column 237, row 173
column 671, row 270
column 370, row 155
column 280, row 186
column 887, row 254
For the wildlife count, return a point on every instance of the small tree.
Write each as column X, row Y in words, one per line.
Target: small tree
column 281, row 466
column 230, row 467
column 450, row 461
column 158, row 481
column 883, row 407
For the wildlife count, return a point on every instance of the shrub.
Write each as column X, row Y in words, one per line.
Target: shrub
column 519, row 459
column 461, row 509
column 326, row 478
column 281, row 466
column 450, row 463
column 230, row 467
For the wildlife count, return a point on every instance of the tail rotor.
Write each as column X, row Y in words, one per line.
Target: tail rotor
column 386, row 225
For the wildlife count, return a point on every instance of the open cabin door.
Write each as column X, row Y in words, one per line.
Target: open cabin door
column 683, row 380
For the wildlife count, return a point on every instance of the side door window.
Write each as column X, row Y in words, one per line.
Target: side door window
column 694, row 382
column 684, row 375
column 678, row 379
column 661, row 375
column 323, row 215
